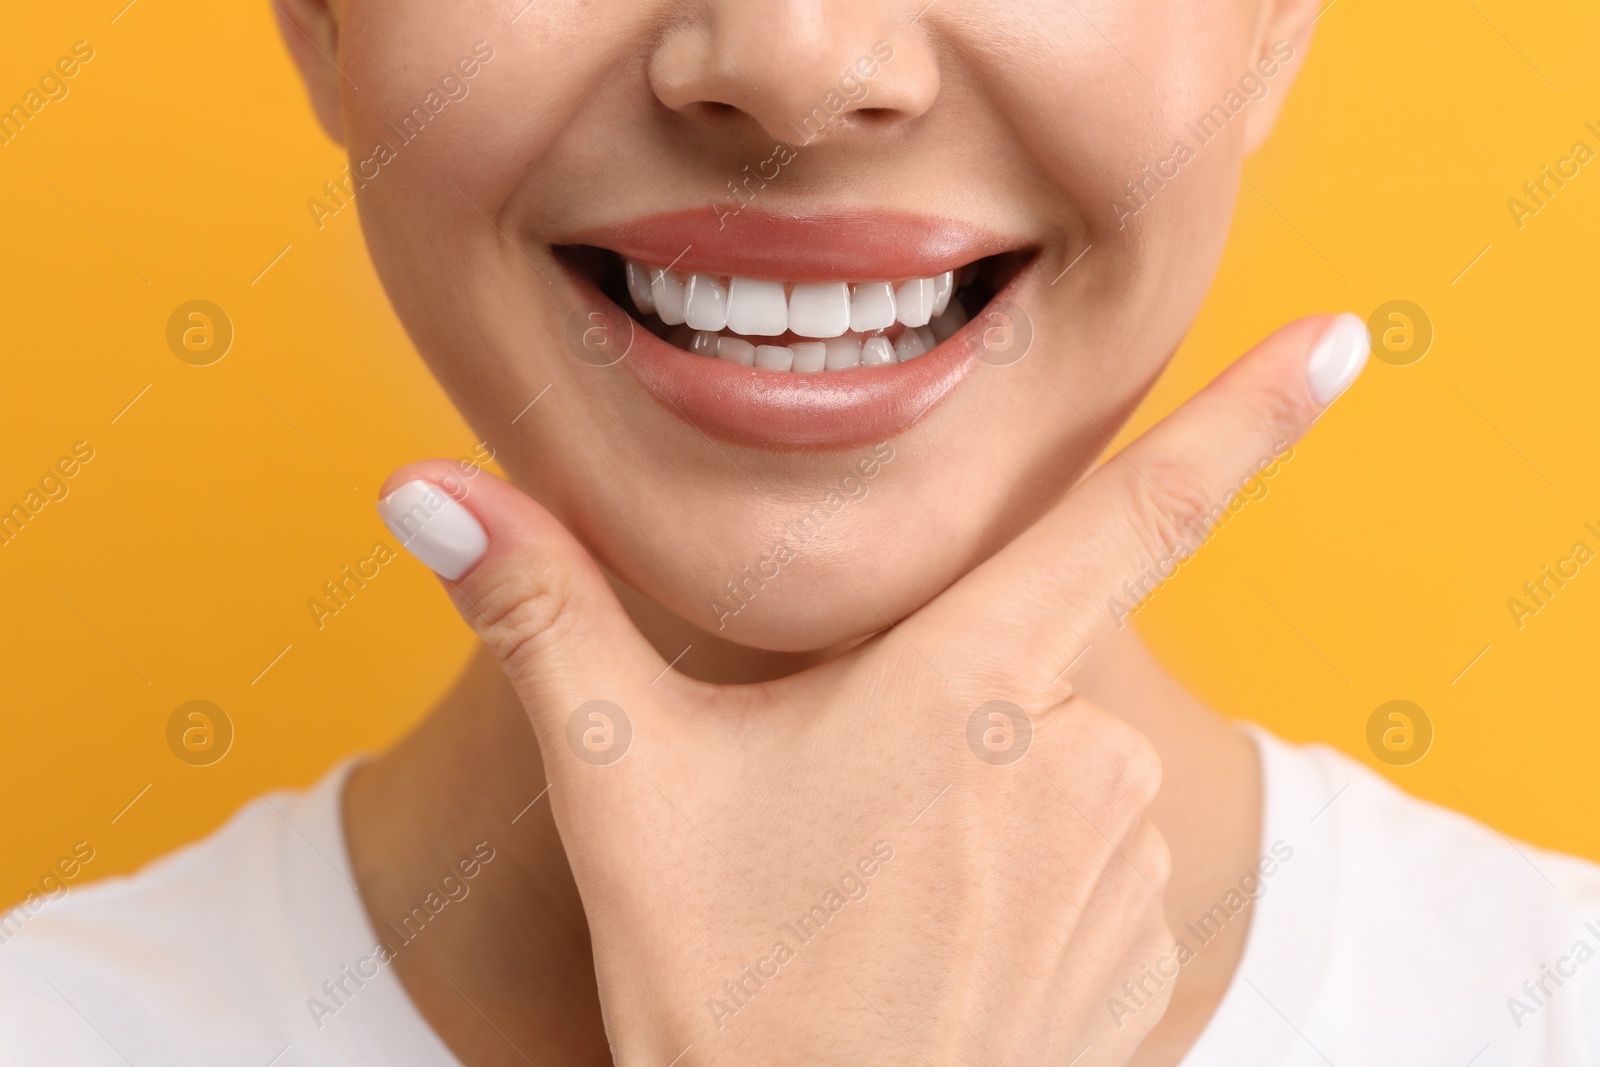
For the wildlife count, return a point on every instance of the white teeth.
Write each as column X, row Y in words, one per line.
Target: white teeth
column 774, row 357
column 872, row 307
column 756, row 308
column 809, row 357
column 639, row 286
column 819, row 310
column 943, row 286
column 691, row 311
column 705, row 303
column 946, row 325
column 913, row 301
column 842, row 353
column 877, row 352
column 913, row 343
column 736, row 351
column 667, row 291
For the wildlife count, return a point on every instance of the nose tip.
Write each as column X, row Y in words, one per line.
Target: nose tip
column 800, row 71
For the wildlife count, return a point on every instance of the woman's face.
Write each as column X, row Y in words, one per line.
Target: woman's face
column 515, row 155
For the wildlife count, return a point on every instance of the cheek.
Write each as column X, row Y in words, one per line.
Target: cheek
column 539, row 72
column 435, row 216
column 1107, row 103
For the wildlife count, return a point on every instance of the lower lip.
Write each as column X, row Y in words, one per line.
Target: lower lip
column 786, row 411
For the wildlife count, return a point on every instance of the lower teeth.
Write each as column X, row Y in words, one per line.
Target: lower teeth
column 813, row 357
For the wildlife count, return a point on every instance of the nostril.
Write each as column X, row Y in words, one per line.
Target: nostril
column 874, row 116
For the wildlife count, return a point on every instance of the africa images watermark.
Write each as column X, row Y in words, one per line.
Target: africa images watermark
column 1552, row 179
column 52, row 885
column 52, row 487
column 1252, row 87
column 452, row 88
column 338, row 591
column 852, row 488
column 453, row 887
column 431, row 502
column 1251, row 887
column 852, row 886
column 1536, row 992
column 1551, row 580
column 1252, row 488
column 853, row 86
column 51, row 87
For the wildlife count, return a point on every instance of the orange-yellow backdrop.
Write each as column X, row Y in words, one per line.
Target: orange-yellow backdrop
column 180, row 564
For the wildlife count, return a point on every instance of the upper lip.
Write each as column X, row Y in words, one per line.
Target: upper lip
column 820, row 246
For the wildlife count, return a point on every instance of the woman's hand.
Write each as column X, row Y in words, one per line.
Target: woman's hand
column 925, row 851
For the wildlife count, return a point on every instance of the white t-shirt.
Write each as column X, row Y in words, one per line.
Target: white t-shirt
column 1385, row 931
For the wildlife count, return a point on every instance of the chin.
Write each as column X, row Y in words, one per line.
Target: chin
column 814, row 620
column 815, row 605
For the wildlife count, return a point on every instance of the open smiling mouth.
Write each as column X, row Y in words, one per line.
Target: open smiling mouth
column 800, row 327
column 790, row 332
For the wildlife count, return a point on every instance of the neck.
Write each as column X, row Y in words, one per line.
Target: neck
column 510, row 962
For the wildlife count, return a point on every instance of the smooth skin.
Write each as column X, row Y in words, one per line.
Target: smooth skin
column 808, row 733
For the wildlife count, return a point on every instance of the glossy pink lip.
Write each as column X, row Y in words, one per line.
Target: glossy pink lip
column 822, row 247
column 781, row 410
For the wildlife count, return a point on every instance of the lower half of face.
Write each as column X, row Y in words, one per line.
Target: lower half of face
column 793, row 320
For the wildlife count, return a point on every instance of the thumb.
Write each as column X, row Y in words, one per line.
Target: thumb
column 523, row 584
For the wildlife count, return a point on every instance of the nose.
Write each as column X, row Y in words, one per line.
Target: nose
column 803, row 70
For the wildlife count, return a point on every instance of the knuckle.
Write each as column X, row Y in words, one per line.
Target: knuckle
column 1170, row 504
column 1125, row 765
column 987, row 674
column 525, row 613
column 1150, row 852
column 1279, row 413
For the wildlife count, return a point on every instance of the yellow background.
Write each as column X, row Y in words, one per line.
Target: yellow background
column 180, row 564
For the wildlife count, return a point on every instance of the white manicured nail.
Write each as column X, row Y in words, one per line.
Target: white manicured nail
column 1338, row 357
column 431, row 526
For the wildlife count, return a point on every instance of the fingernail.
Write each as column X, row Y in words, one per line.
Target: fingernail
column 1338, row 357
column 431, row 526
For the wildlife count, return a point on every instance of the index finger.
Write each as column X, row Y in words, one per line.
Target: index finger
column 1033, row 607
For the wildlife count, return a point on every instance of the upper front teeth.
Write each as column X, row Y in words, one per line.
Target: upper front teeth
column 913, row 301
column 705, row 303
column 755, row 308
column 758, row 308
column 820, row 310
column 871, row 307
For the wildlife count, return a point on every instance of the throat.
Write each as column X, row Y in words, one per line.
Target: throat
column 510, row 943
